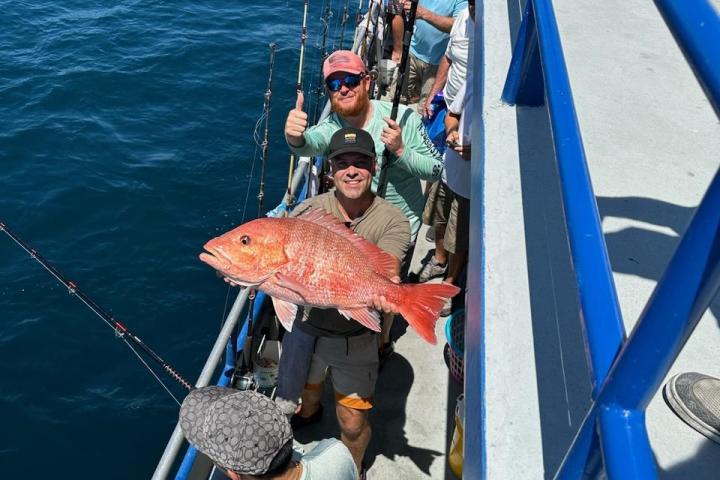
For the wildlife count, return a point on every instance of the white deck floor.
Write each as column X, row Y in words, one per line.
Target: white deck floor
column 652, row 143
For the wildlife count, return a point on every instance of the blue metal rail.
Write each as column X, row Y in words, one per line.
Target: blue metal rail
column 626, row 374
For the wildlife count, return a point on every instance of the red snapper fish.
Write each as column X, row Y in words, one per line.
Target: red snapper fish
column 315, row 260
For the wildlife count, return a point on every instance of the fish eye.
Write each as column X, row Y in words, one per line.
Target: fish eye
column 245, row 240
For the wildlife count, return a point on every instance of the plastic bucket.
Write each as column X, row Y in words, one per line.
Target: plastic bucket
column 266, row 372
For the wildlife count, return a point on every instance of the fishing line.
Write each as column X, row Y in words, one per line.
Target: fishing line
column 121, row 330
column 152, row 372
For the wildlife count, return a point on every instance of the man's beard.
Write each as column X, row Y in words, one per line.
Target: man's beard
column 362, row 102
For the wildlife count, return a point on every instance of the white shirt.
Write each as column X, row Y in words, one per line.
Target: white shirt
column 456, row 174
column 459, row 51
column 330, row 459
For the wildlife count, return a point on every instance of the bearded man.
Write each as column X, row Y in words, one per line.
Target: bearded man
column 413, row 155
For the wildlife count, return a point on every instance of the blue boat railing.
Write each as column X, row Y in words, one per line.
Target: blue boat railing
column 625, row 373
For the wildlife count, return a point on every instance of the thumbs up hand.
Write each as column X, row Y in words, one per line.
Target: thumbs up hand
column 296, row 123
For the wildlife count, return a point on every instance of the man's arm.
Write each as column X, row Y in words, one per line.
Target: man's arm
column 439, row 84
column 419, row 157
column 440, row 22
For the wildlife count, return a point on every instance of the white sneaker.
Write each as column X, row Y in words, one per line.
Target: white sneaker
column 431, row 270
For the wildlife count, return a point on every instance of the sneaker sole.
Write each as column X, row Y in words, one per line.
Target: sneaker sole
column 670, row 394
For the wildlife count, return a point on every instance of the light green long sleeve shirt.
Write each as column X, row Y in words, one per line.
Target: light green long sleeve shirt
column 420, row 159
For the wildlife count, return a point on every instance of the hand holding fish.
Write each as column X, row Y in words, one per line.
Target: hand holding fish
column 296, row 123
column 379, row 302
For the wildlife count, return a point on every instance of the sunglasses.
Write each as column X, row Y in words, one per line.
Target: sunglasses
column 342, row 162
column 351, row 80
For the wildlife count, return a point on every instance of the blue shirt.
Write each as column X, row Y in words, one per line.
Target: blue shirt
column 428, row 43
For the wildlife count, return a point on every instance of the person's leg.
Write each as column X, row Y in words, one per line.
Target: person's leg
column 457, row 236
column 354, row 367
column 428, row 79
column 436, row 213
column 355, row 431
column 412, row 85
column 297, row 352
column 312, row 394
column 398, row 30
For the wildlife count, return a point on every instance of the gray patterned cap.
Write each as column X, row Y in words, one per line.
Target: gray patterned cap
column 241, row 431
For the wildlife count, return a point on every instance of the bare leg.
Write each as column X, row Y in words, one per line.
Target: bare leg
column 355, row 431
column 441, row 255
column 457, row 262
column 398, row 29
column 311, row 400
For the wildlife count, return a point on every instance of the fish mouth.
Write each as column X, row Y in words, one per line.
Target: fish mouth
column 215, row 259
column 222, row 264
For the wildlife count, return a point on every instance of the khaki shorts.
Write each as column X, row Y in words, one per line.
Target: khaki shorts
column 353, row 365
column 445, row 207
column 419, row 80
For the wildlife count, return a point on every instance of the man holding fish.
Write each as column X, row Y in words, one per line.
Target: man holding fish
column 340, row 253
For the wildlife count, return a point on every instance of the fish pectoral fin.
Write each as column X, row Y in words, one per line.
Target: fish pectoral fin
column 365, row 316
column 292, row 284
column 286, row 312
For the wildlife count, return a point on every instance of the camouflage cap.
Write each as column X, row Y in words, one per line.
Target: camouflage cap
column 241, row 431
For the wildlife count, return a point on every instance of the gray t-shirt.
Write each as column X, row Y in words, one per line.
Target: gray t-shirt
column 330, row 459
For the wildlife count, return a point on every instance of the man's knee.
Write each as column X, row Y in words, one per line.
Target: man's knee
column 352, row 421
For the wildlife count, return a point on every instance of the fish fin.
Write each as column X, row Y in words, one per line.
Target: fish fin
column 365, row 316
column 286, row 312
column 422, row 304
column 292, row 284
column 383, row 263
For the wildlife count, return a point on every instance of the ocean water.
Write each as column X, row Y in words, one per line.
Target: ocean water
column 125, row 143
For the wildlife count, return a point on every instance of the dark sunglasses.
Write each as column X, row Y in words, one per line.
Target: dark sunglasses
column 342, row 162
column 351, row 80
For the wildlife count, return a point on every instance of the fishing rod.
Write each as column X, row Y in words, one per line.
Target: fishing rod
column 320, row 90
column 375, row 52
column 121, row 331
column 303, row 37
column 344, row 19
column 407, row 36
column 363, row 48
column 264, row 145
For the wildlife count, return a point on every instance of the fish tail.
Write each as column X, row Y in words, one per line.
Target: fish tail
column 422, row 303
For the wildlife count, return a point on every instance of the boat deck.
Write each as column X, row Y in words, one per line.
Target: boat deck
column 652, row 142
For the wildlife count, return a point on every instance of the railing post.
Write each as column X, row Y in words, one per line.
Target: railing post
column 524, row 84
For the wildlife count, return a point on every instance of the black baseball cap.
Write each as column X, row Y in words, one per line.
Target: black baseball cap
column 351, row 139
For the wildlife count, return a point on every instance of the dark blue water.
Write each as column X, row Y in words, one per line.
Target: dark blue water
column 125, row 143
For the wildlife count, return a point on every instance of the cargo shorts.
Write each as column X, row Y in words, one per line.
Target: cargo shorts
column 445, row 207
column 420, row 79
column 353, row 365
